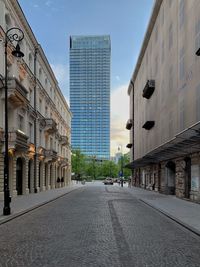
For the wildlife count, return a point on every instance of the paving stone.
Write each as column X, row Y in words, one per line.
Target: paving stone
column 97, row 225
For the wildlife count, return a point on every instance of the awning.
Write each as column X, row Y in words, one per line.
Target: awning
column 183, row 144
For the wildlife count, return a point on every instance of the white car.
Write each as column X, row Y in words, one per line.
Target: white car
column 108, row 181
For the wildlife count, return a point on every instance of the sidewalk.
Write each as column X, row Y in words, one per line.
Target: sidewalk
column 25, row 203
column 182, row 211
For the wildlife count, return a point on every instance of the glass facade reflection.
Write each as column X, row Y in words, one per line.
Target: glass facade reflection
column 90, row 94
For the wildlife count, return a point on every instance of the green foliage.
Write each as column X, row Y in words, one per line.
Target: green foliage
column 78, row 164
column 89, row 168
column 124, row 160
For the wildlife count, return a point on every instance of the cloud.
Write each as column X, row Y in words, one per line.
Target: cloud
column 35, row 5
column 48, row 3
column 117, row 78
column 119, row 117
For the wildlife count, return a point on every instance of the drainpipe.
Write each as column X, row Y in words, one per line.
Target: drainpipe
column 35, row 121
column 133, row 171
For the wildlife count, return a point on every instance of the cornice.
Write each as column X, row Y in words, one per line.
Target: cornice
column 20, row 14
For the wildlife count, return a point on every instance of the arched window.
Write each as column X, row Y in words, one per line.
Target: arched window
column 40, row 75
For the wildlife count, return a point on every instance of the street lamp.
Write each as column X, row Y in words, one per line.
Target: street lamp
column 13, row 35
column 121, row 172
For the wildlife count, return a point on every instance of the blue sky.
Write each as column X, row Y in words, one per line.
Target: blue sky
column 53, row 21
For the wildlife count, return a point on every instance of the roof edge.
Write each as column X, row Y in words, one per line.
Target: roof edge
column 154, row 15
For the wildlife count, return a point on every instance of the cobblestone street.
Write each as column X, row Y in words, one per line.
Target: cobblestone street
column 97, row 225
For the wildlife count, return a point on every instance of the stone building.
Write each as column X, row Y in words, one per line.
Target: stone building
column 164, row 92
column 39, row 119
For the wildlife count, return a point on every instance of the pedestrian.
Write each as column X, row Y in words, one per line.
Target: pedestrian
column 129, row 182
column 122, row 182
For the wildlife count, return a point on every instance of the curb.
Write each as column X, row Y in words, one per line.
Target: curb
column 188, row 227
column 13, row 216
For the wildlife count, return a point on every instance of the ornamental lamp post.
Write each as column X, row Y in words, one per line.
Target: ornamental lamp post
column 13, row 35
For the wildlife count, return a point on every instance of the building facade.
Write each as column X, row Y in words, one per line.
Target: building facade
column 90, row 94
column 164, row 92
column 39, row 119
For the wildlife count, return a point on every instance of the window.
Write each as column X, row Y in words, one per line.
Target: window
column 40, row 75
column 40, row 137
column 40, row 105
column 31, row 96
column 46, row 112
column 20, row 122
column 8, row 22
column 51, row 143
column 30, row 132
column 30, row 61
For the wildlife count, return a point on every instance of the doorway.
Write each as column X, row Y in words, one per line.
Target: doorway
column 19, row 176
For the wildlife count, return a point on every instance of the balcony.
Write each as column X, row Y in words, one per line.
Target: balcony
column 63, row 161
column 64, row 140
column 149, row 89
column 50, row 154
column 129, row 145
column 50, row 126
column 129, row 124
column 17, row 140
column 17, row 93
column 148, row 125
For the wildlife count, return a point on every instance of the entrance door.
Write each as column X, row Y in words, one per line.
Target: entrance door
column 19, row 175
column 187, row 177
column 170, row 177
column 39, row 180
column 46, row 172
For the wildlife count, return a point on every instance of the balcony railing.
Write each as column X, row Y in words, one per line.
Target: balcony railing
column 50, row 154
column 149, row 89
column 63, row 161
column 64, row 140
column 17, row 93
column 50, row 125
column 17, row 140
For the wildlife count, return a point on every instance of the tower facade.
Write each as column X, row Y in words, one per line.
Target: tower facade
column 90, row 94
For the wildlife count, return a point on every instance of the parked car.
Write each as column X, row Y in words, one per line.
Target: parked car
column 108, row 181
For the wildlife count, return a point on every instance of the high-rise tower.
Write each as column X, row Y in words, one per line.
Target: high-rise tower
column 90, row 94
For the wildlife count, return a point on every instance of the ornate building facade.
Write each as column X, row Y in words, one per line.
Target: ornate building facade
column 39, row 119
column 164, row 92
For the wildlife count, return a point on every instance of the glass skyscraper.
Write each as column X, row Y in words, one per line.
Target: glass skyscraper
column 90, row 94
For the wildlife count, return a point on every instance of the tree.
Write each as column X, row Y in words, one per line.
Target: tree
column 123, row 161
column 78, row 164
column 109, row 169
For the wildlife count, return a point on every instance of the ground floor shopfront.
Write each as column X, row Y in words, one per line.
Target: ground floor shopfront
column 180, row 177
column 29, row 176
column 173, row 167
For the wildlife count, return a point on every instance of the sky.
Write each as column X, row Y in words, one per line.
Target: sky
column 53, row 21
